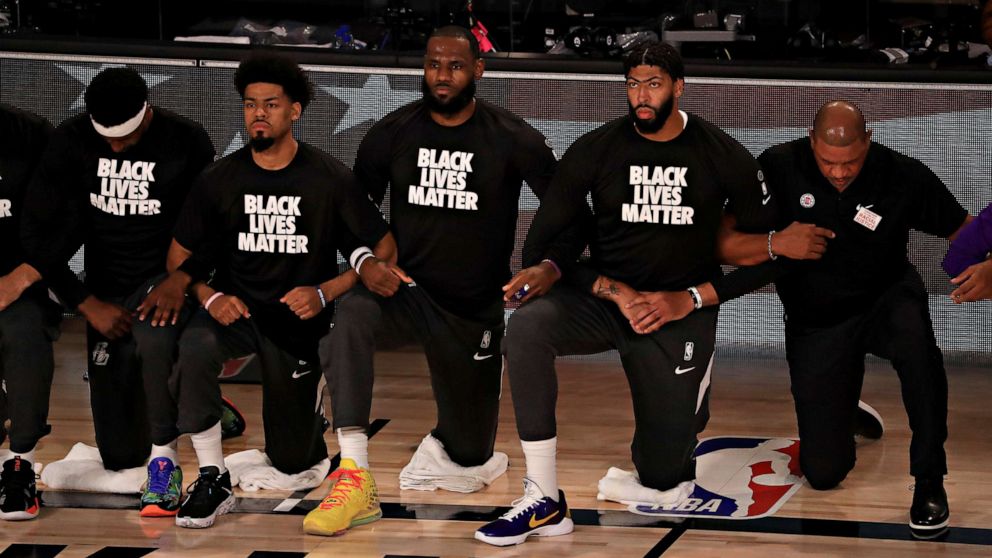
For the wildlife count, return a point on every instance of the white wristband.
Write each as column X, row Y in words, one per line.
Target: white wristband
column 361, row 260
column 697, row 299
column 209, row 301
column 354, row 260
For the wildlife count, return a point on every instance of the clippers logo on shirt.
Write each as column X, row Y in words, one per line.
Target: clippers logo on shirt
column 657, row 196
column 272, row 225
column 5, row 209
column 124, row 188
column 443, row 177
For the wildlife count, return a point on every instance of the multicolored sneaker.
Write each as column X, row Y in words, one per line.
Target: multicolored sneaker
column 18, row 493
column 353, row 501
column 163, row 489
column 232, row 422
column 533, row 514
column 209, row 496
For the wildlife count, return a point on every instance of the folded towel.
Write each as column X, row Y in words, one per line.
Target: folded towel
column 82, row 469
column 625, row 487
column 430, row 468
column 252, row 470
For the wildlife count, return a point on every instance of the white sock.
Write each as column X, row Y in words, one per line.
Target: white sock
column 540, row 458
column 170, row 450
column 354, row 445
column 25, row 456
column 209, row 451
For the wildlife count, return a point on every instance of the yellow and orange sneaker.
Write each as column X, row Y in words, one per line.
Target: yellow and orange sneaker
column 353, row 501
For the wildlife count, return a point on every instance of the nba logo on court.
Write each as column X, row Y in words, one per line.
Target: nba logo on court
column 738, row 478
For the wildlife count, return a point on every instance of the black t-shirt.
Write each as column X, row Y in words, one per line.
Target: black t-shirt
column 657, row 205
column 871, row 217
column 22, row 140
column 268, row 232
column 122, row 206
column 454, row 196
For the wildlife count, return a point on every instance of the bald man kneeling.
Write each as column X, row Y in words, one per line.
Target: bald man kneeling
column 863, row 296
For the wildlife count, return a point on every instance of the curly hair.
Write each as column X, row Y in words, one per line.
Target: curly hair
column 267, row 67
column 655, row 53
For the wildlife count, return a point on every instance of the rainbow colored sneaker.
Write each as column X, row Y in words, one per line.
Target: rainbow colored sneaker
column 163, row 491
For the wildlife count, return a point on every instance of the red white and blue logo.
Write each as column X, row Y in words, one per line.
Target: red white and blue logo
column 738, row 478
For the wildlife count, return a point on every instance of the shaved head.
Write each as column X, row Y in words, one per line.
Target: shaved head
column 839, row 124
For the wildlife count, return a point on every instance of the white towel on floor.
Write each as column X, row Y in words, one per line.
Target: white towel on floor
column 82, row 469
column 430, row 468
column 7, row 454
column 252, row 470
column 625, row 487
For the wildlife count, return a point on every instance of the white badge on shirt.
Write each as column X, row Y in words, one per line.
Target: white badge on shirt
column 867, row 218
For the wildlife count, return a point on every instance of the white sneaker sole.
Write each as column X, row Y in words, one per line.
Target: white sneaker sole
column 563, row 528
column 17, row 516
column 204, row 522
column 929, row 531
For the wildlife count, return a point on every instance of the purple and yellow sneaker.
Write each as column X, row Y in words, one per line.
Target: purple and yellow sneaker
column 163, row 489
column 533, row 514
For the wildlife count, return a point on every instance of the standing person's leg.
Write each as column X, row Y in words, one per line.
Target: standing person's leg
column 204, row 346
column 562, row 322
column 155, row 353
column 362, row 322
column 669, row 373
column 902, row 332
column 27, row 329
column 827, row 368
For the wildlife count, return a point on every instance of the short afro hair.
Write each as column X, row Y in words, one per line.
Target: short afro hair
column 458, row 32
column 268, row 67
column 115, row 96
column 655, row 53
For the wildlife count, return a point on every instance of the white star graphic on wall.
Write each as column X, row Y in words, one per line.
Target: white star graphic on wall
column 236, row 143
column 85, row 74
column 371, row 101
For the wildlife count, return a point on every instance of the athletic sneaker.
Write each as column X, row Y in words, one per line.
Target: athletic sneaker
column 163, row 490
column 209, row 496
column 232, row 422
column 867, row 423
column 353, row 501
column 18, row 494
column 533, row 514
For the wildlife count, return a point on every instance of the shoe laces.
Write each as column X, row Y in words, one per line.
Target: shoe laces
column 531, row 498
column 345, row 480
column 158, row 480
column 202, row 487
column 17, row 477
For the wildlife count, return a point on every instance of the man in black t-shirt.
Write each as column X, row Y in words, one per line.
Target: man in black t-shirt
column 269, row 218
column 114, row 178
column 658, row 180
column 28, row 318
column 868, row 297
column 455, row 166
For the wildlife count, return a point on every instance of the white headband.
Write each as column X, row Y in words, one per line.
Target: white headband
column 122, row 129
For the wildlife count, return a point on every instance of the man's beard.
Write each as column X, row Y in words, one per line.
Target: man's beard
column 660, row 116
column 260, row 143
column 454, row 104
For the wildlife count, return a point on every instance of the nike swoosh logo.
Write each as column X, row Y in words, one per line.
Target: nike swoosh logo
column 477, row 356
column 296, row 374
column 765, row 200
column 679, row 370
column 535, row 522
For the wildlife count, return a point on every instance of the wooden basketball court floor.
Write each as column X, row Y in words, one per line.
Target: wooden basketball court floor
column 866, row 516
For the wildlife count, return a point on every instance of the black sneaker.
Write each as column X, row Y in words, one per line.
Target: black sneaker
column 209, row 496
column 18, row 494
column 868, row 423
column 929, row 516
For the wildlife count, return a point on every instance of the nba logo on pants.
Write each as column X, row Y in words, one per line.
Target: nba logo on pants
column 738, row 478
column 100, row 354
